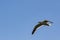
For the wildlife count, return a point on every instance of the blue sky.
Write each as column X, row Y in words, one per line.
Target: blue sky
column 18, row 18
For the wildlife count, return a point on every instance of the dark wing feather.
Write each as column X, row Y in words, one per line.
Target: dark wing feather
column 36, row 28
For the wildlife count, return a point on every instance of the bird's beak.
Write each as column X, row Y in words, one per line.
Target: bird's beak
column 50, row 22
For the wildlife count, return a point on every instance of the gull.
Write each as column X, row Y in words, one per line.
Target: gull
column 44, row 22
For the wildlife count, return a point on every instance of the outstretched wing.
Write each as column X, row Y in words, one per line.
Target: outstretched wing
column 35, row 28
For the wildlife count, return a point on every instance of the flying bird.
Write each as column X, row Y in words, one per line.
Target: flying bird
column 45, row 22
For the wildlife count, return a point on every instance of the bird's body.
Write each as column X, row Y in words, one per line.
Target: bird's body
column 45, row 22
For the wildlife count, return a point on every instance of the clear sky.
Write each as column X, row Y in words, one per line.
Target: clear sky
column 18, row 18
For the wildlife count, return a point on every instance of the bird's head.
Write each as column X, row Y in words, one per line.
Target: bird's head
column 48, row 23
